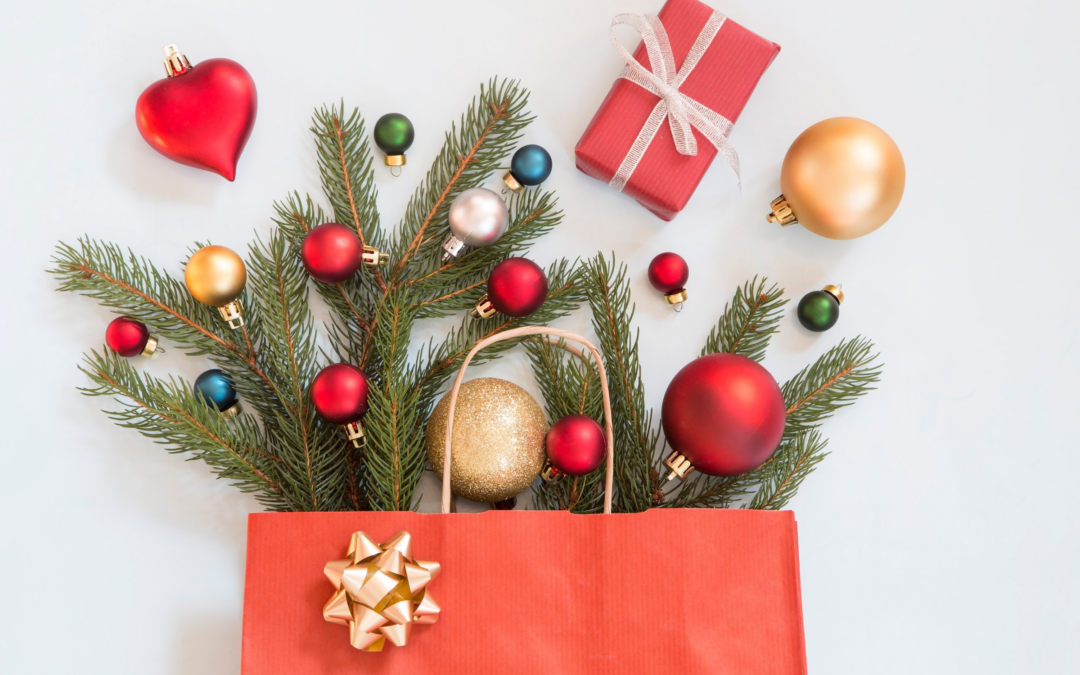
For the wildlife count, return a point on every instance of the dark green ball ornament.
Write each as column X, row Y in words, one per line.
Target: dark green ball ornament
column 394, row 135
column 819, row 310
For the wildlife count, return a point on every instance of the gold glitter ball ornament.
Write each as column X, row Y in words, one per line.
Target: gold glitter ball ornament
column 498, row 446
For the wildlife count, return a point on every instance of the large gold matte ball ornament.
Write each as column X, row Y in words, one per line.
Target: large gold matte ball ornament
column 215, row 276
column 842, row 178
column 497, row 450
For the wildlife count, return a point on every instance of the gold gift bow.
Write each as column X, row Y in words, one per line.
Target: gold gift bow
column 381, row 591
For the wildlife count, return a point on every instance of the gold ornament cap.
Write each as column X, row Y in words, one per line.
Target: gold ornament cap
column 676, row 298
column 373, row 257
column 355, row 433
column 232, row 411
column 151, row 347
column 781, row 212
column 484, row 309
column 175, row 61
column 550, row 474
column 679, row 465
column 512, row 183
column 395, row 160
column 835, row 292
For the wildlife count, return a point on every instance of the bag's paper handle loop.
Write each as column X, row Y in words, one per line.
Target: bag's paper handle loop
column 609, row 431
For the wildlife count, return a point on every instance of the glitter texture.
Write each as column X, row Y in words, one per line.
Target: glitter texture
column 498, row 444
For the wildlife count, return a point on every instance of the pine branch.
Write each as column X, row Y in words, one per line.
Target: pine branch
column 636, row 476
column 837, row 379
column 781, row 477
column 570, row 386
column 168, row 413
column 748, row 322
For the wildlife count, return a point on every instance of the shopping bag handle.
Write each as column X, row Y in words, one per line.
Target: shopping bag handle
column 550, row 333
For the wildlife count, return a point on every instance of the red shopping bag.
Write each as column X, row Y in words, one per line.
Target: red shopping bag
column 665, row 591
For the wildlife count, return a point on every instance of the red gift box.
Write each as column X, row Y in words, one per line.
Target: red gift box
column 722, row 81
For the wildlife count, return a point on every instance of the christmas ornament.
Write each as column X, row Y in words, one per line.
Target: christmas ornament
column 332, row 253
column 497, row 449
column 339, row 393
column 218, row 391
column 819, row 310
column 531, row 165
column 478, row 217
column 128, row 337
column 668, row 273
column 723, row 414
column 199, row 116
column 516, row 287
column 216, row 276
column 575, row 445
column 380, row 591
column 394, row 135
column 842, row 178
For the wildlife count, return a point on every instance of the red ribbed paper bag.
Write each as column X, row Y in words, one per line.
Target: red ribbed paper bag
column 523, row 592
column 722, row 81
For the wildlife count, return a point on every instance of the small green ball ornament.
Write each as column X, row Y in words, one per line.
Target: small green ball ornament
column 394, row 135
column 819, row 310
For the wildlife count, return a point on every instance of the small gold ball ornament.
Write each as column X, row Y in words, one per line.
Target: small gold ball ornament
column 497, row 450
column 842, row 178
column 216, row 276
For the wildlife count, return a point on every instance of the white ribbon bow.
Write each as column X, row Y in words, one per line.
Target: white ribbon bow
column 683, row 113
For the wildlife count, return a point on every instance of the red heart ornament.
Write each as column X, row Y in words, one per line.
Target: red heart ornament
column 199, row 116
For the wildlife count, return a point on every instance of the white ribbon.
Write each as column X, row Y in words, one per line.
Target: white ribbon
column 683, row 113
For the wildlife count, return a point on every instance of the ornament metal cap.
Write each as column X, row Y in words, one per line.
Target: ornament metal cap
column 151, row 347
column 453, row 247
column 679, row 465
column 781, row 212
column 550, row 474
column 373, row 257
column 355, row 432
column 835, row 292
column 396, row 160
column 231, row 314
column 175, row 61
column 232, row 411
column 676, row 297
column 512, row 182
column 484, row 309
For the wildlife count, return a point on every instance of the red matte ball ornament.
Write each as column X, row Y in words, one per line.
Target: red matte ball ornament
column 723, row 414
column 517, row 287
column 576, row 446
column 339, row 393
column 128, row 337
column 331, row 253
column 668, row 273
column 200, row 115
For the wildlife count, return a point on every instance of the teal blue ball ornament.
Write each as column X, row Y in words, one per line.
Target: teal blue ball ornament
column 218, row 391
column 394, row 134
column 819, row 311
column 531, row 165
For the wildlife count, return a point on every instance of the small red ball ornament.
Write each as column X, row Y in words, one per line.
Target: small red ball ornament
column 128, row 337
column 331, row 253
column 576, row 446
column 339, row 393
column 668, row 273
column 201, row 115
column 517, row 287
column 723, row 414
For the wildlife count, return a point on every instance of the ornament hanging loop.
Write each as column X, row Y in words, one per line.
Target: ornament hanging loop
column 678, row 308
column 395, row 171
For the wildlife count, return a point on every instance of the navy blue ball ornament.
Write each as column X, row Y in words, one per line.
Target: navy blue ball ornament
column 530, row 166
column 218, row 391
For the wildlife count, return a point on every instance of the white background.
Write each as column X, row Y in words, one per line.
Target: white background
column 939, row 537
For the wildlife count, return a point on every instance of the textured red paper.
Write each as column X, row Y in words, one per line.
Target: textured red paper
column 666, row 591
column 723, row 81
